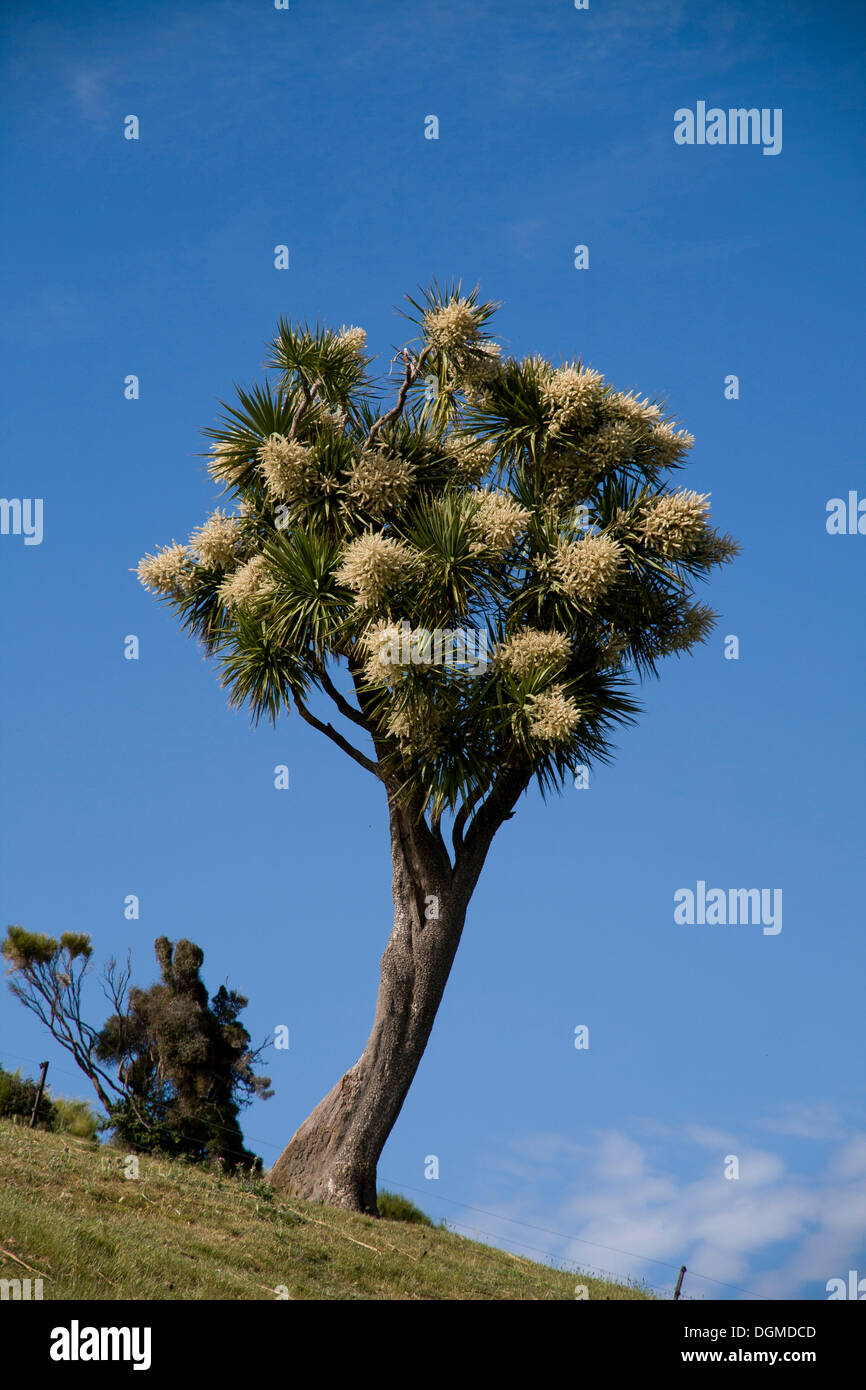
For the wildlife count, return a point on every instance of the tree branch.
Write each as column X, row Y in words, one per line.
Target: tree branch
column 383, row 745
column 498, row 808
column 340, row 700
column 309, row 394
column 436, row 833
column 462, row 816
column 413, row 371
column 330, row 732
column 43, row 996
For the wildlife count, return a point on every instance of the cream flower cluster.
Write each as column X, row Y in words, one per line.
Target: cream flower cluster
column 353, row 338
column 373, row 566
column 669, row 445
column 532, row 649
column 378, row 642
column 288, row 468
column 216, row 542
column 674, row 522
column 586, row 569
column 611, row 445
column 498, row 521
column 553, row 716
column 452, row 325
column 415, row 727
column 380, row 481
column 477, row 369
column 571, row 474
column 574, row 472
column 247, row 582
column 474, row 456
column 571, row 394
column 222, row 464
column 636, row 411
column 169, row 571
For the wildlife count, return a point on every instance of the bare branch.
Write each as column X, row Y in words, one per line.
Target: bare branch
column 310, row 394
column 330, row 732
column 385, row 747
column 340, row 700
column 44, row 997
column 115, row 983
column 413, row 371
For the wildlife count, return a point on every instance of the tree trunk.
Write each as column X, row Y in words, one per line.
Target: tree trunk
column 332, row 1158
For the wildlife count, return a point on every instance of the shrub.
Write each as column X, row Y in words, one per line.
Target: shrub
column 76, row 1117
column 393, row 1207
column 18, row 1096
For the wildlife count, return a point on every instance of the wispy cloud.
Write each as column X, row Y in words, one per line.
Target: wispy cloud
column 639, row 1206
column 818, row 1121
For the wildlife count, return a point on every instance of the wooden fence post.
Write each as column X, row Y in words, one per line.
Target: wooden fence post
column 38, row 1100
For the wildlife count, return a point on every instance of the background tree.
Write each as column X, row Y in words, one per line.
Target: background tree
column 170, row 1068
column 47, row 977
column 509, row 497
column 187, row 1065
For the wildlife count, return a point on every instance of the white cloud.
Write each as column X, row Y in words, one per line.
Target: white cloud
column 640, row 1207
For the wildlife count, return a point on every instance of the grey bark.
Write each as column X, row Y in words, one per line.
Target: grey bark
column 333, row 1157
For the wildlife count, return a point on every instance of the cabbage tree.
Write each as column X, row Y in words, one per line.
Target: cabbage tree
column 458, row 576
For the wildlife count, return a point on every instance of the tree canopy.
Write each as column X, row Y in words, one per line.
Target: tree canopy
column 526, row 501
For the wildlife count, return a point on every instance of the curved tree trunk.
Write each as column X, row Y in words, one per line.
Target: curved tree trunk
column 332, row 1158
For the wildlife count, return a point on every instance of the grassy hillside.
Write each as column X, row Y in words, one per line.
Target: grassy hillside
column 68, row 1212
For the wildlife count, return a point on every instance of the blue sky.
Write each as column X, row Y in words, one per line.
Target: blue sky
column 155, row 257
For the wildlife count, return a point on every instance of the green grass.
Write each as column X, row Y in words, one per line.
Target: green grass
column 71, row 1216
